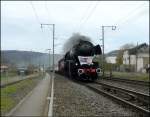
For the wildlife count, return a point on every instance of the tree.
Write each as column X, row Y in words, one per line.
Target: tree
column 30, row 68
column 119, row 58
column 99, row 59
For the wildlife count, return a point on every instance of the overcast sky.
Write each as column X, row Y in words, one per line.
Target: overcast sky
column 21, row 30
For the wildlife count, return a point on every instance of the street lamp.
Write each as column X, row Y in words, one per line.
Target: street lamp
column 103, row 29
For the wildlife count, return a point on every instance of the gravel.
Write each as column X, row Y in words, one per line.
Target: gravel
column 72, row 99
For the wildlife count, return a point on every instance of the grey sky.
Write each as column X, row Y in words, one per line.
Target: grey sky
column 20, row 23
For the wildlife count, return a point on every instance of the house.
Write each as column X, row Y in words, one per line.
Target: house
column 22, row 70
column 4, row 68
column 137, row 57
column 111, row 56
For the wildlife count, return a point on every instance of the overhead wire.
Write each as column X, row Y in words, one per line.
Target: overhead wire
column 125, row 18
column 34, row 10
column 88, row 16
column 49, row 19
column 84, row 14
column 37, row 18
column 46, row 9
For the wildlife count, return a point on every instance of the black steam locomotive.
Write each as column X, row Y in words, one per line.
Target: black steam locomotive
column 78, row 62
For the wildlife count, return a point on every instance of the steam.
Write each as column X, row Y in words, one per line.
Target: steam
column 73, row 40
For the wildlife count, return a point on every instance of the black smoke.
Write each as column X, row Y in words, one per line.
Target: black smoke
column 74, row 40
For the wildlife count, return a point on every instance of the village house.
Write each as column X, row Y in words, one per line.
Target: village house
column 137, row 57
column 111, row 56
column 4, row 68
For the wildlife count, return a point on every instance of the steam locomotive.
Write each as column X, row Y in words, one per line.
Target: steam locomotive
column 78, row 62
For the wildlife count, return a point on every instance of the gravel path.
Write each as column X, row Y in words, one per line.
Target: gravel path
column 138, row 88
column 72, row 99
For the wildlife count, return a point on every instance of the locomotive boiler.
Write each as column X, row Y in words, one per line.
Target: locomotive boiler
column 78, row 62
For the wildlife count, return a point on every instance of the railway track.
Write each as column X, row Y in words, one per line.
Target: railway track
column 129, row 98
column 136, row 82
column 134, row 94
column 126, row 97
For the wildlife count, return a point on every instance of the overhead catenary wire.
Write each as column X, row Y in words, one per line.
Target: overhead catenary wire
column 125, row 18
column 48, row 15
column 35, row 13
column 84, row 13
column 37, row 19
column 88, row 16
column 47, row 11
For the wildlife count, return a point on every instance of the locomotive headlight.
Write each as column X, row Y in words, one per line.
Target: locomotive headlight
column 98, row 70
column 76, row 64
column 80, row 71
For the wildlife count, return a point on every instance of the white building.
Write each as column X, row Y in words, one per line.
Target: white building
column 138, row 57
column 111, row 57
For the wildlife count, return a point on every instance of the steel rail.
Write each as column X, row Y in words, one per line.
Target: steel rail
column 117, row 99
column 125, row 90
column 137, row 82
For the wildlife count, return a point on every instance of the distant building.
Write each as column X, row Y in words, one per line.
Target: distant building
column 22, row 70
column 138, row 57
column 4, row 68
column 111, row 56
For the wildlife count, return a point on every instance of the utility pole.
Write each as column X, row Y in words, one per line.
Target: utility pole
column 53, row 41
column 136, row 57
column 43, row 69
column 49, row 58
column 103, row 32
column 53, row 48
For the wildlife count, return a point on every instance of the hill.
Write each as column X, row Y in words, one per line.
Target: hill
column 24, row 58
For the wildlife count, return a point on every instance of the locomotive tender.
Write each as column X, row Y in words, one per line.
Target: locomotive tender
column 78, row 62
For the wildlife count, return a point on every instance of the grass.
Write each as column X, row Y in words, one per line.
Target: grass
column 7, row 75
column 12, row 94
column 132, row 76
column 6, row 106
column 12, row 77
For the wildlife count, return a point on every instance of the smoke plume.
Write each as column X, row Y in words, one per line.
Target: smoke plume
column 73, row 40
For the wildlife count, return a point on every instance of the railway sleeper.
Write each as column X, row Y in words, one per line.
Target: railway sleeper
column 128, row 96
column 120, row 93
column 121, row 100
